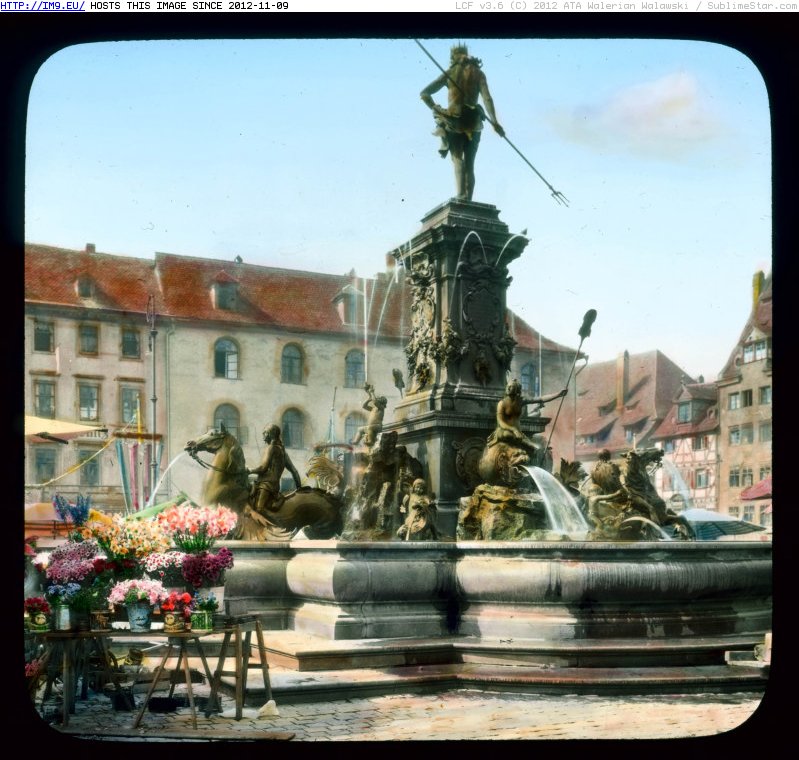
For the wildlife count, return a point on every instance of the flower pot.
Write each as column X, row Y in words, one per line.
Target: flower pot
column 174, row 622
column 62, row 618
column 100, row 620
column 39, row 622
column 139, row 616
column 80, row 620
column 202, row 621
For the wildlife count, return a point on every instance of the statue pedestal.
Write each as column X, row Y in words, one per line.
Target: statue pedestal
column 460, row 348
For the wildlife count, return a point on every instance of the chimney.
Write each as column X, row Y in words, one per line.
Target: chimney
column 90, row 248
column 622, row 380
column 757, row 287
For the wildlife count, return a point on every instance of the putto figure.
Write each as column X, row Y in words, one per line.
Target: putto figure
column 460, row 124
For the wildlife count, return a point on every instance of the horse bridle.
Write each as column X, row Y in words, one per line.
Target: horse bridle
column 193, row 453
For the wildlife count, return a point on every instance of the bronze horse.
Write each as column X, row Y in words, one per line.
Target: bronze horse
column 316, row 512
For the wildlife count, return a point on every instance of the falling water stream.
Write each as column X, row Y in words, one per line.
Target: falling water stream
column 161, row 479
column 563, row 514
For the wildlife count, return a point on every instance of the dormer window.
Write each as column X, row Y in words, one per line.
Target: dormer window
column 226, row 292
column 226, row 296
column 684, row 411
column 346, row 302
column 85, row 287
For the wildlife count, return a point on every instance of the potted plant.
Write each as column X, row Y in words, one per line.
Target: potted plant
column 176, row 609
column 61, row 596
column 166, row 567
column 202, row 615
column 38, row 610
column 139, row 595
column 195, row 529
column 207, row 569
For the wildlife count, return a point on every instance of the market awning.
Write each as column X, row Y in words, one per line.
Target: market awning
column 761, row 490
column 42, row 430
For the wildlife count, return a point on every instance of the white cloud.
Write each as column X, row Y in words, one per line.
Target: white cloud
column 666, row 118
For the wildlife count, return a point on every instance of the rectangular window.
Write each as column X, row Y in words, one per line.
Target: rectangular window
column 735, row 511
column 761, row 350
column 734, row 401
column 89, row 468
column 89, row 402
column 131, row 346
column 735, row 436
column 44, row 464
column 700, row 479
column 684, row 412
column 735, row 477
column 749, row 512
column 765, row 471
column 749, row 353
column 88, row 339
column 747, row 433
column 746, row 398
column 226, row 295
column 699, row 442
column 43, row 333
column 131, row 401
column 44, row 398
column 747, row 479
column 764, row 515
column 668, row 445
column 764, row 394
column 764, row 431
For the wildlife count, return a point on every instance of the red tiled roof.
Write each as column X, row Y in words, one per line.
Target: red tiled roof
column 761, row 490
column 120, row 283
column 708, row 422
column 273, row 297
column 654, row 381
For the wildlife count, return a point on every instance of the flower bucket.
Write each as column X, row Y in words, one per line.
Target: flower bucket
column 202, row 621
column 173, row 622
column 100, row 620
column 62, row 618
column 139, row 616
column 39, row 622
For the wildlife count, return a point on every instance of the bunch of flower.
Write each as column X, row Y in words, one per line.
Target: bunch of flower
column 176, row 602
column 62, row 593
column 34, row 604
column 166, row 567
column 194, row 529
column 122, row 539
column 30, row 547
column 207, row 603
column 206, row 568
column 76, row 513
column 137, row 590
column 72, row 561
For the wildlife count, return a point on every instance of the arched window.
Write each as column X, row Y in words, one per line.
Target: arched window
column 354, row 375
column 226, row 359
column 529, row 380
column 351, row 425
column 291, row 365
column 229, row 415
column 291, row 426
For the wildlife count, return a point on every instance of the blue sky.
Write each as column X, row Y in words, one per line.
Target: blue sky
column 318, row 154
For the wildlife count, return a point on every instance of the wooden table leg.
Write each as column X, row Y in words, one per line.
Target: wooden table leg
column 150, row 691
column 259, row 635
column 213, row 697
column 239, row 681
column 189, row 689
column 67, row 687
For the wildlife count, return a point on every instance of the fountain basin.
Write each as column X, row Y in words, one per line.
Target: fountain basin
column 624, row 594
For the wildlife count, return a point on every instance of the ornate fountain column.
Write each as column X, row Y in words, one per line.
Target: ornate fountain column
column 460, row 349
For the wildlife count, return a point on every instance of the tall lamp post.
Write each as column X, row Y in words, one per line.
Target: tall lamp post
column 154, row 398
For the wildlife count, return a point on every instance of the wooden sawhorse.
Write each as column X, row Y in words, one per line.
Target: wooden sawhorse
column 234, row 627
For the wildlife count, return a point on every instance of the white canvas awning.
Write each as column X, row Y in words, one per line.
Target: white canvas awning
column 42, row 430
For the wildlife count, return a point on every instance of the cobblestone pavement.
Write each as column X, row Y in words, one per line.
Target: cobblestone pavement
column 461, row 714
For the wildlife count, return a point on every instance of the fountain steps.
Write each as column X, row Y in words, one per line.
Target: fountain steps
column 305, row 668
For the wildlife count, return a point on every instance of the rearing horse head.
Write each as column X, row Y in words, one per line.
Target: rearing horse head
column 212, row 441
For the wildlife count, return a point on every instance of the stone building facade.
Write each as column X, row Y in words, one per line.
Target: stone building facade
column 230, row 342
